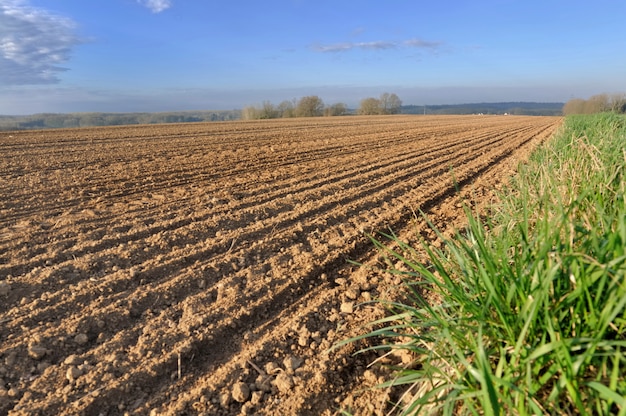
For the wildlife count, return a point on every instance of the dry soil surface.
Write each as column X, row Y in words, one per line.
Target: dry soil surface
column 204, row 268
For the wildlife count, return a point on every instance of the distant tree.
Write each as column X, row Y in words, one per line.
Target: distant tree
column 310, row 106
column 287, row 109
column 338, row 109
column 267, row 110
column 618, row 103
column 370, row 106
column 574, row 106
column 250, row 113
column 390, row 103
column 597, row 104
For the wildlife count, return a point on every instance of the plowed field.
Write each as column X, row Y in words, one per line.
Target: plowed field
column 203, row 268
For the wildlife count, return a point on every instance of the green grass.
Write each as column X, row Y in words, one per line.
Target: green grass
column 532, row 305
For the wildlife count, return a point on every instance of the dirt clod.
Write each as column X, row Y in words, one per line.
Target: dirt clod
column 284, row 382
column 225, row 400
column 72, row 360
column 257, row 397
column 73, row 373
column 5, row 288
column 291, row 363
column 81, row 339
column 37, row 352
column 241, row 392
column 347, row 307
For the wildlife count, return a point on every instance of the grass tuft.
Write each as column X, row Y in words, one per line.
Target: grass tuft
column 533, row 298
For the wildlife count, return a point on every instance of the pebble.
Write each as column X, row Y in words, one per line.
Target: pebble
column 347, row 307
column 370, row 377
column 247, row 409
column 291, row 363
column 37, row 351
column 81, row 339
column 225, row 399
column 10, row 359
column 341, row 281
column 73, row 373
column 272, row 368
column 303, row 340
column 353, row 292
column 72, row 360
column 283, row 382
column 42, row 366
column 262, row 384
column 257, row 397
column 241, row 392
column 5, row 288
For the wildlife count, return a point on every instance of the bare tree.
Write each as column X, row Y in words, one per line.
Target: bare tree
column 287, row 108
column 250, row 113
column 268, row 110
column 338, row 109
column 618, row 103
column 574, row 106
column 597, row 104
column 393, row 104
column 370, row 106
column 310, row 106
column 390, row 103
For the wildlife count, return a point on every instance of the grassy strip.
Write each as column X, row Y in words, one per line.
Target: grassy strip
column 533, row 299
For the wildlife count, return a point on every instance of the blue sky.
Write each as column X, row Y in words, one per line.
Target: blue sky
column 168, row 55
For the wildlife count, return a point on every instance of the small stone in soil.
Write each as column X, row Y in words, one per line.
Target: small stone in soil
column 292, row 363
column 5, row 288
column 72, row 360
column 353, row 292
column 284, row 382
column 247, row 409
column 225, row 400
column 241, row 392
column 262, row 384
column 37, row 351
column 347, row 307
column 81, row 339
column 73, row 373
column 271, row 368
column 257, row 396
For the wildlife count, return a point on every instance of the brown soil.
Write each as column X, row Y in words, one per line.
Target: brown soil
column 204, row 268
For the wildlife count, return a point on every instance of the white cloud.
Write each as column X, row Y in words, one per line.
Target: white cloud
column 34, row 43
column 157, row 6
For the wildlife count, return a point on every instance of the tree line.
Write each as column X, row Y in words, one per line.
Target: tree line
column 313, row 106
column 596, row 104
column 72, row 120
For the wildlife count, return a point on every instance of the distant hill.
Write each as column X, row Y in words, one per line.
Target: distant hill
column 514, row 108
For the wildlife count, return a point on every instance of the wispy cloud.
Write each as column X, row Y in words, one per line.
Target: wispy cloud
column 424, row 44
column 156, row 6
column 377, row 45
column 34, row 43
column 347, row 46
